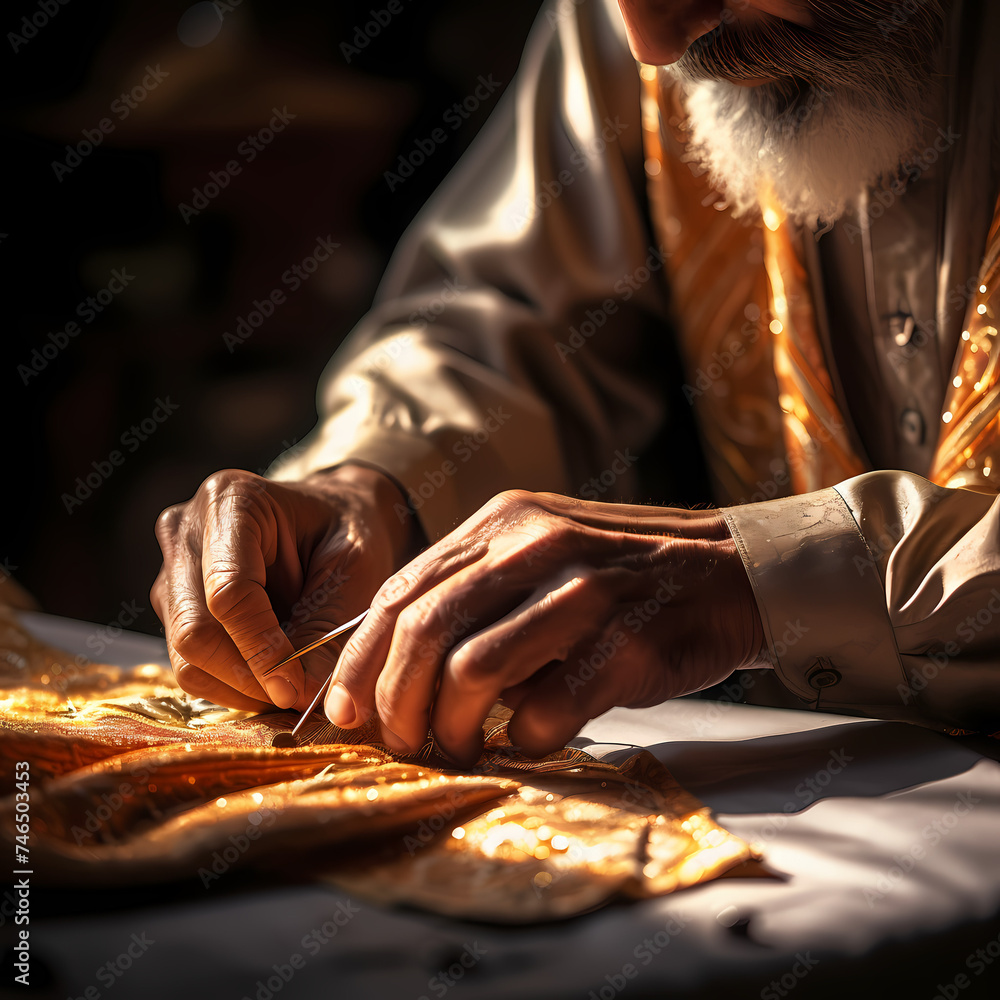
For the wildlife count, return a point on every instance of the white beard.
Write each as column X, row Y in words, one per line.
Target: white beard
column 818, row 144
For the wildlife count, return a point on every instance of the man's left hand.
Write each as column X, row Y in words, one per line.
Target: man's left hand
column 563, row 608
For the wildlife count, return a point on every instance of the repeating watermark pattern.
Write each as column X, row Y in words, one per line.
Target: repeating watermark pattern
column 29, row 27
column 784, row 470
column 121, row 107
column 551, row 190
column 429, row 827
column 202, row 22
column 635, row 620
column 644, row 953
column 803, row 965
column 598, row 485
column 977, row 962
column 429, row 311
column 293, row 278
column 248, row 150
column 930, row 836
column 87, row 310
column 110, row 973
column 881, row 199
column 366, row 32
column 440, row 984
column 239, row 843
column 966, row 632
column 709, row 374
column 624, row 288
column 312, row 943
column 131, row 440
column 425, row 147
column 463, row 451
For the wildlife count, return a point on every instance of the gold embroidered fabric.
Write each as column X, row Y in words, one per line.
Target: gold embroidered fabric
column 720, row 266
column 145, row 785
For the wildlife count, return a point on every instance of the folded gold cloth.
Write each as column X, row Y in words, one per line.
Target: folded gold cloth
column 134, row 782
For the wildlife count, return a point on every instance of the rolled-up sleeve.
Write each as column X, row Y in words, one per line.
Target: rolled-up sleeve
column 510, row 340
column 882, row 596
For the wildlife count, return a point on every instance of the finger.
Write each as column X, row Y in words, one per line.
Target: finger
column 201, row 685
column 234, row 574
column 321, row 607
column 545, row 628
column 350, row 702
column 428, row 627
column 595, row 678
column 195, row 638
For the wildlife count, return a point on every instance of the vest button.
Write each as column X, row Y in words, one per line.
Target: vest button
column 902, row 327
column 822, row 676
column 911, row 426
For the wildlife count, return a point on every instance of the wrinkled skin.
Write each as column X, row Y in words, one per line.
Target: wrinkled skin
column 244, row 551
column 563, row 608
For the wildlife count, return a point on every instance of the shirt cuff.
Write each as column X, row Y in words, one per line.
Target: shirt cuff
column 827, row 627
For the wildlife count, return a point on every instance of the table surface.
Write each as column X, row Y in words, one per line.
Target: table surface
column 883, row 841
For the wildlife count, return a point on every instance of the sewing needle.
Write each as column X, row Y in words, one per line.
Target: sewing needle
column 289, row 739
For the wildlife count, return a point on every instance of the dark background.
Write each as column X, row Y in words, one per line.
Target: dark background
column 118, row 209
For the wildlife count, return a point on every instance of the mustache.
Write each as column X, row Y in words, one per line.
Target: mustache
column 842, row 33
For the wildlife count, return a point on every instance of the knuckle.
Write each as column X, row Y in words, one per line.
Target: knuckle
column 168, row 523
column 394, row 591
column 469, row 665
column 192, row 637
column 225, row 479
column 223, row 590
column 509, row 500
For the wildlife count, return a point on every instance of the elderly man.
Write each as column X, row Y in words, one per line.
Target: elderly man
column 784, row 217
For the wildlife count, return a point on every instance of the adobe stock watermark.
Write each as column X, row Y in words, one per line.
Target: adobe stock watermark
column 121, row 107
column 131, row 439
column 312, row 943
column 581, row 160
column 446, row 979
column 44, row 12
column 463, row 451
column 644, row 953
column 202, row 22
column 430, row 826
column 378, row 358
column 293, row 278
column 624, row 288
column 425, row 147
column 598, row 485
column 451, row 290
column 977, row 962
column 239, row 843
column 87, row 310
column 930, row 836
column 367, row 31
column 777, row 486
column 723, row 360
column 110, row 973
column 965, row 633
column 781, row 987
column 635, row 620
column 248, row 150
column 881, row 199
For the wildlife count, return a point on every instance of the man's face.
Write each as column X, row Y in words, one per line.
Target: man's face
column 819, row 97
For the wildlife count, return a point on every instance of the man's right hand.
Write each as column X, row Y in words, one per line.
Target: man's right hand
column 253, row 569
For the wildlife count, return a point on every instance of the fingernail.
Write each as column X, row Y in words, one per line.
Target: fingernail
column 339, row 707
column 281, row 691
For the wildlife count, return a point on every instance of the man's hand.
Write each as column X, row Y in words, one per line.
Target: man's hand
column 252, row 569
column 564, row 608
